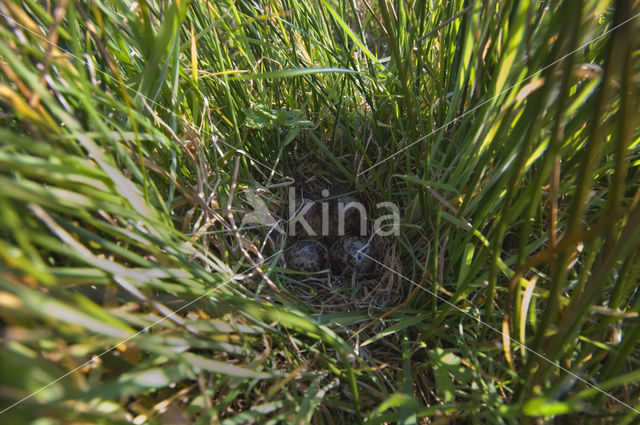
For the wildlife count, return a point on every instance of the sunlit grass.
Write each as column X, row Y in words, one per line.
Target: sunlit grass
column 506, row 132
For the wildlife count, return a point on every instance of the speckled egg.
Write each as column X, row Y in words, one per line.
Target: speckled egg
column 355, row 216
column 307, row 256
column 311, row 212
column 353, row 253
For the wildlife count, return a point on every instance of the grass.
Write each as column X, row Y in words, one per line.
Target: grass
column 505, row 131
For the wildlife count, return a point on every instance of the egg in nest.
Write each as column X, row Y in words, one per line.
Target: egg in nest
column 353, row 254
column 353, row 215
column 307, row 256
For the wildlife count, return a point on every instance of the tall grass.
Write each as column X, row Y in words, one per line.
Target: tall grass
column 506, row 131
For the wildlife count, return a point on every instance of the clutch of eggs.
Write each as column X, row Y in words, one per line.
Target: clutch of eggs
column 348, row 254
